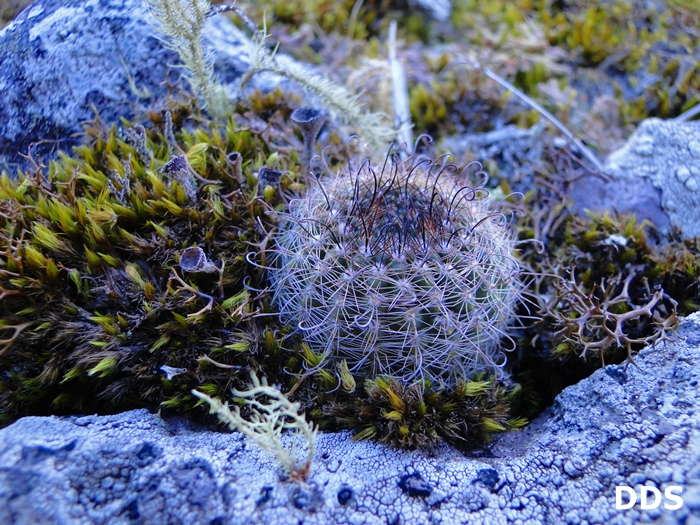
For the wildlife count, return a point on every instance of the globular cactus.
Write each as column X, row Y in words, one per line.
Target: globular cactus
column 399, row 269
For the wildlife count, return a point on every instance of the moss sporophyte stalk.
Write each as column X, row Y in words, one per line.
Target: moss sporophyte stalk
column 400, row 269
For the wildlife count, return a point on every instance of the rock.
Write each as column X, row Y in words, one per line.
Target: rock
column 517, row 152
column 439, row 10
column 414, row 485
column 624, row 425
column 628, row 195
column 59, row 58
column 656, row 175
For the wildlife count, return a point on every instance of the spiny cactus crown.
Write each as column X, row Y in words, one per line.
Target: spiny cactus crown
column 398, row 269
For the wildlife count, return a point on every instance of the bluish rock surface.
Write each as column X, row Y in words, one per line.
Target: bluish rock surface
column 61, row 61
column 655, row 175
column 624, row 425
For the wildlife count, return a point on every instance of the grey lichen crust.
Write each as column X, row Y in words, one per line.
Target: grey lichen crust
column 60, row 60
column 621, row 426
column 667, row 153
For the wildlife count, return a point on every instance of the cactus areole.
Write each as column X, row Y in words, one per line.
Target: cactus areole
column 398, row 269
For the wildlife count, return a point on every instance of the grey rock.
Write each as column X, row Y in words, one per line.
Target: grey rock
column 439, row 10
column 517, row 152
column 58, row 58
column 638, row 196
column 624, row 425
column 656, row 174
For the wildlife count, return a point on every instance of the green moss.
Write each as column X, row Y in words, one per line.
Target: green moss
column 356, row 20
column 422, row 416
column 94, row 302
column 459, row 101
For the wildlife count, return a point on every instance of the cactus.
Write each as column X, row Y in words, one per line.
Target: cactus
column 400, row 270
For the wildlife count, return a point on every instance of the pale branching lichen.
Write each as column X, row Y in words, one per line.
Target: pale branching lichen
column 266, row 422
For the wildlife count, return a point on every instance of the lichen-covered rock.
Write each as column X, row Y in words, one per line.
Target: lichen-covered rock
column 437, row 9
column 515, row 151
column 624, row 425
column 667, row 153
column 59, row 59
column 656, row 174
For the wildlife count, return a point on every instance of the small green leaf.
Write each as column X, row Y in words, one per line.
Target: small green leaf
column 162, row 340
column 238, row 347
column 104, row 367
column 393, row 415
column 490, row 425
column 235, row 301
column 71, row 374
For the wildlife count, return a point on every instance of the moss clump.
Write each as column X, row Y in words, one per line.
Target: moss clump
column 358, row 21
column 620, row 268
column 97, row 314
column 637, row 50
column 602, row 245
column 420, row 416
column 461, row 101
column 603, row 287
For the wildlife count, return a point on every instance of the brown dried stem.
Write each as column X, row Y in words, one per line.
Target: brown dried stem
column 17, row 330
column 588, row 322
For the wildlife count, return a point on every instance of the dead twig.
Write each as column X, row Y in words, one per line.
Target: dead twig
column 590, row 324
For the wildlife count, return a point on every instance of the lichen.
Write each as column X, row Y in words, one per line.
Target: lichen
column 100, row 314
column 266, row 422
